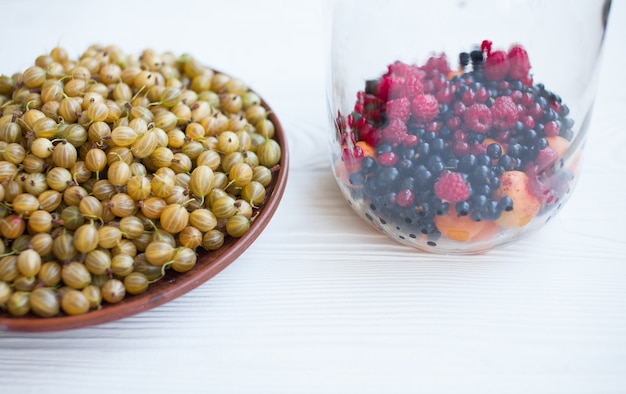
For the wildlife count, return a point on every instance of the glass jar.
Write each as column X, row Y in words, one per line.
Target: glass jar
column 459, row 125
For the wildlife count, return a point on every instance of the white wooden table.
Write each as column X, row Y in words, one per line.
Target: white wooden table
column 322, row 303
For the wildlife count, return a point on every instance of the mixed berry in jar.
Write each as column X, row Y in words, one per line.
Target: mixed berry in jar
column 463, row 151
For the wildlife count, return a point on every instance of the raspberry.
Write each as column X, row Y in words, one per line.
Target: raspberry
column 401, row 80
column 478, row 118
column 395, row 131
column 496, row 66
column 368, row 132
column 445, row 94
column 485, row 47
column 504, row 113
column 400, row 69
column 518, row 62
column 424, row 108
column 551, row 129
column 388, row 159
column 405, row 198
column 451, row 187
column 546, row 157
column 399, row 109
column 384, row 86
column 410, row 140
column 413, row 85
column 438, row 63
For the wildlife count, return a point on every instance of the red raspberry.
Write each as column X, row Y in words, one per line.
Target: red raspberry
column 388, row 159
column 461, row 148
column 424, row 108
column 478, row 118
column 410, row 140
column 393, row 87
column 496, row 66
column 400, row 69
column 394, row 132
column 481, row 95
column 368, row 132
column 438, row 63
column 551, row 129
column 546, row 157
column 352, row 155
column 518, row 62
column 445, row 94
column 454, row 123
column 399, row 109
column 504, row 113
column 451, row 187
column 485, row 47
column 405, row 198
column 401, row 80
column 411, row 86
column 384, row 86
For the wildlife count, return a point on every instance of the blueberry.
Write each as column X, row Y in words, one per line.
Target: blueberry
column 388, row 200
column 483, row 160
column 549, row 115
column 478, row 137
column 435, row 164
column 429, row 136
column 438, row 145
column 357, row 178
column 516, row 84
column 506, row 162
column 423, row 149
column 568, row 123
column 514, row 150
column 542, row 102
column 452, row 163
column 505, row 204
column 482, row 189
column 541, row 143
column 445, row 132
column 568, row 134
column 462, row 208
column 492, row 210
column 495, row 182
column 407, row 183
column 530, row 135
column 477, row 215
column 404, row 165
column 477, row 57
column 422, row 175
column 383, row 148
column 464, row 59
column 480, row 174
column 386, row 176
column 407, row 153
column 368, row 164
column 467, row 162
column 371, row 186
column 441, row 208
column 494, row 151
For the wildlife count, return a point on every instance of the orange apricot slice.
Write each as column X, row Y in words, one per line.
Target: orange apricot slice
column 525, row 204
column 456, row 227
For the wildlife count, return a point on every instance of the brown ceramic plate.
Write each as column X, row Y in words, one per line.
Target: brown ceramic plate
column 174, row 284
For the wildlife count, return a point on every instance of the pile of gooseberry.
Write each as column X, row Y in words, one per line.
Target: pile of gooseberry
column 116, row 168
